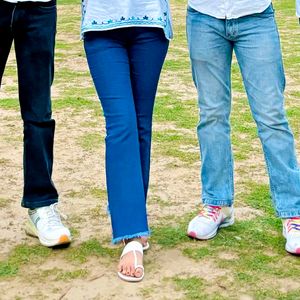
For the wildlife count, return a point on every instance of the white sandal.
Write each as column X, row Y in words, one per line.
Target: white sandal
column 146, row 246
column 133, row 246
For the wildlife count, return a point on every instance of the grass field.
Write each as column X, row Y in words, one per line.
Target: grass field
column 246, row 261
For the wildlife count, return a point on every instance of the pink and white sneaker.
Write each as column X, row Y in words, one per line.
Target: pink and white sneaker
column 205, row 226
column 291, row 231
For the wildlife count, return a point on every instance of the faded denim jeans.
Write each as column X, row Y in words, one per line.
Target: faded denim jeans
column 255, row 41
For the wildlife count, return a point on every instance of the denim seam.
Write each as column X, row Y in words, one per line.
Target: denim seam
column 281, row 64
column 272, row 187
column 228, row 202
column 288, row 214
column 231, row 183
column 12, row 17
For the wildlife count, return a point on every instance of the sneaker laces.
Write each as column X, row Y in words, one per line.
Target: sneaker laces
column 210, row 212
column 53, row 215
column 293, row 224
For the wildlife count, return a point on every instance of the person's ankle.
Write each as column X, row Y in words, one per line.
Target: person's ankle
column 143, row 240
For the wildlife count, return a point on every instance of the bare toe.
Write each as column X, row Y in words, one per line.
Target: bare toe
column 132, row 271
column 128, row 270
column 138, row 272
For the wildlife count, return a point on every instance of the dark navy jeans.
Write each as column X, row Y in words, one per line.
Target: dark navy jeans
column 32, row 27
column 125, row 65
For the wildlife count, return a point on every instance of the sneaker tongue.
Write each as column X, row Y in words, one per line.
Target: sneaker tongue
column 215, row 206
column 209, row 211
column 42, row 211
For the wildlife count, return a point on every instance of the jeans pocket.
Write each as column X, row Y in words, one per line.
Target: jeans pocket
column 191, row 10
column 268, row 12
column 47, row 8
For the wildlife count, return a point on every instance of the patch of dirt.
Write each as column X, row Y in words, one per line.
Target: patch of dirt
column 245, row 297
column 108, row 286
column 228, row 256
column 102, row 281
column 286, row 285
column 246, row 213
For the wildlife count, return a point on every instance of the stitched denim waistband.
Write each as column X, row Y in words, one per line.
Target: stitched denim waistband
column 30, row 3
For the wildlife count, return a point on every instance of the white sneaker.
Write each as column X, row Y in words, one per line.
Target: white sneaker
column 45, row 223
column 291, row 231
column 209, row 220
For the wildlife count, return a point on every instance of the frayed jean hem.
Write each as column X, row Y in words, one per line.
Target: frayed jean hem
column 130, row 236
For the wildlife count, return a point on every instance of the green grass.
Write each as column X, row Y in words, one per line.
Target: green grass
column 92, row 247
column 22, row 255
column 91, row 141
column 259, row 197
column 74, row 102
column 192, row 286
column 71, row 275
column 172, row 144
column 169, row 236
column 9, row 103
column 170, row 109
column 255, row 248
column 4, row 202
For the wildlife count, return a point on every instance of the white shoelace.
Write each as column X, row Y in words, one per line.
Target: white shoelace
column 53, row 215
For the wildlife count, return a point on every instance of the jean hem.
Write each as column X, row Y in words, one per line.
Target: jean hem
column 288, row 214
column 37, row 204
column 130, row 236
column 218, row 202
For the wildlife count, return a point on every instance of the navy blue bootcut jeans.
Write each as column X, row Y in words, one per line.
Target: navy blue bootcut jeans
column 32, row 28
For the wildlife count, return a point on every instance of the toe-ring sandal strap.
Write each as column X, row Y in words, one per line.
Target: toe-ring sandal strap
column 134, row 247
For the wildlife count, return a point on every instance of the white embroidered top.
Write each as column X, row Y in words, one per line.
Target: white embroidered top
column 229, row 9
column 112, row 14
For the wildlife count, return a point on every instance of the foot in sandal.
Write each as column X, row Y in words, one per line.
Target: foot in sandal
column 145, row 243
column 131, row 262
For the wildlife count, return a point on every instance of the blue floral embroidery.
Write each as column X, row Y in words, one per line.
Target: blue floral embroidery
column 163, row 21
column 146, row 20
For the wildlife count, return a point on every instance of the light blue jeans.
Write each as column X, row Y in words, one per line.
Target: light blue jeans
column 256, row 43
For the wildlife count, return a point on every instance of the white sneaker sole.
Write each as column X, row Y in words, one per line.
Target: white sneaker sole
column 288, row 248
column 291, row 250
column 31, row 230
column 213, row 233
